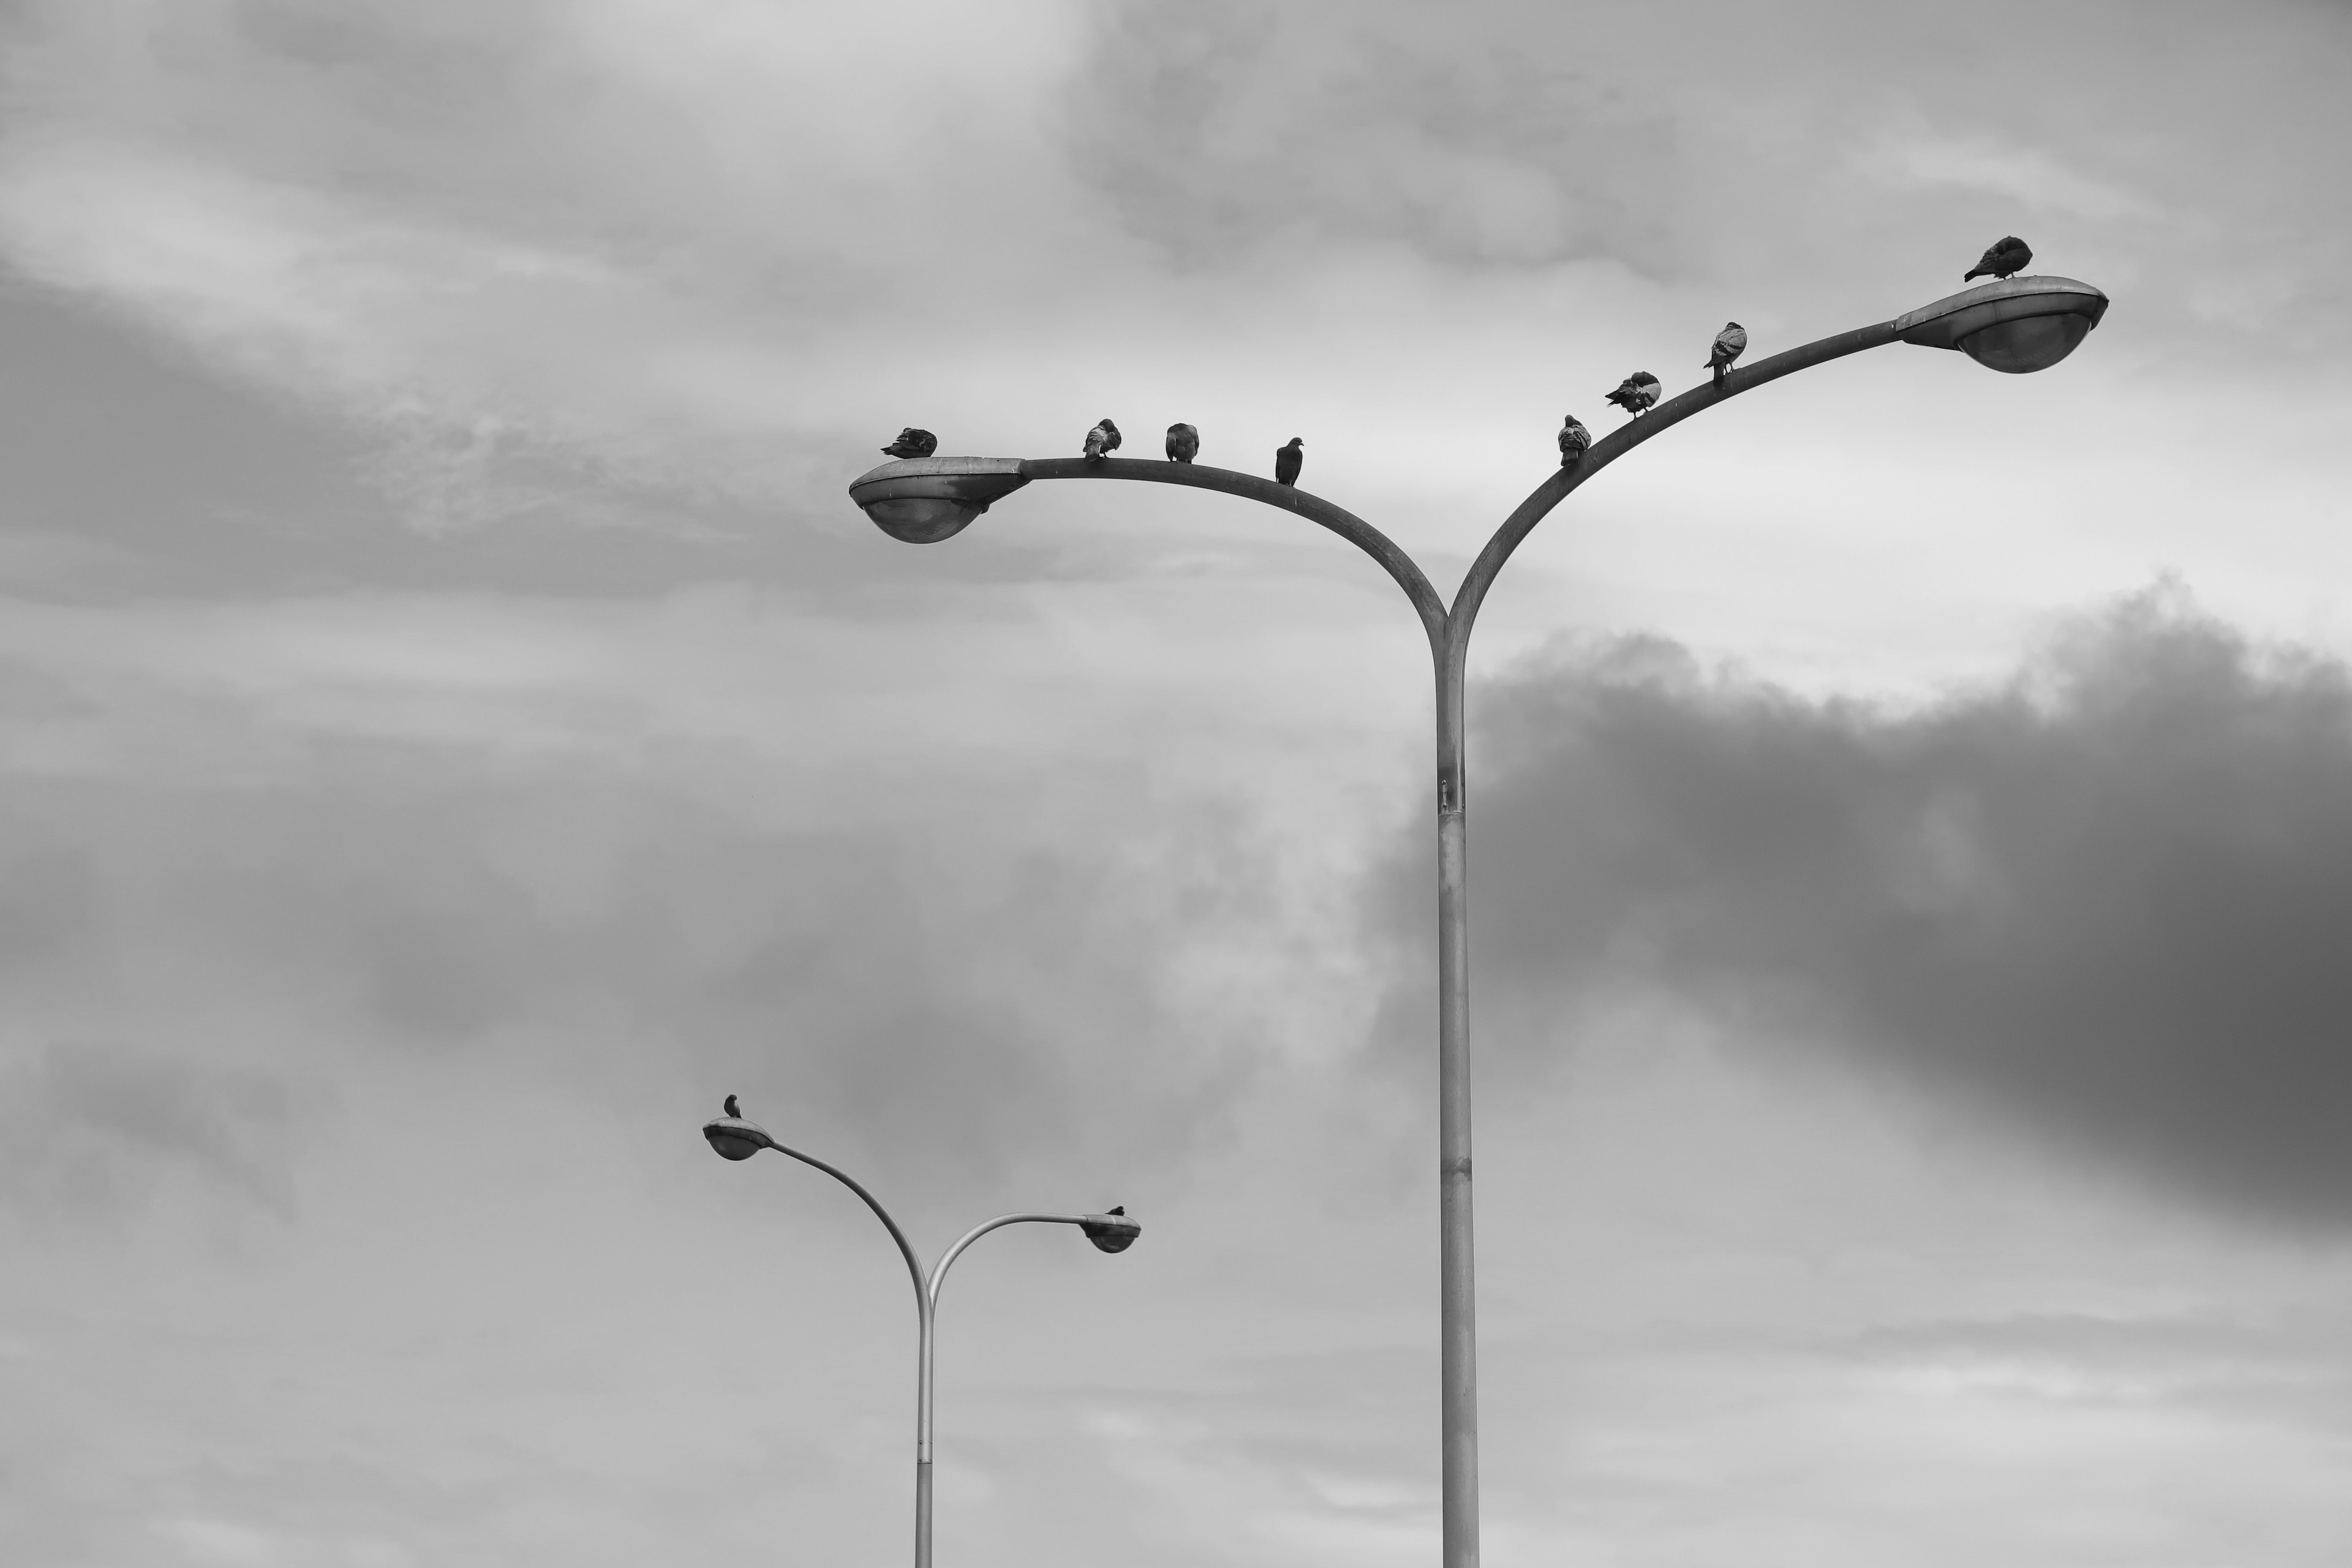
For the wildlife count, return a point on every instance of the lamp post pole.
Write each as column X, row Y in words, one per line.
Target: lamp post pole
column 737, row 1139
column 2015, row 325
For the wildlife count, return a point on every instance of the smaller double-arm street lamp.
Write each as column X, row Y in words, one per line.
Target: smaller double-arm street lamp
column 738, row 1138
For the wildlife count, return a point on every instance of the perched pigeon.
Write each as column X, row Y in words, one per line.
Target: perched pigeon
column 1101, row 440
column 1286, row 461
column 2011, row 255
column 1574, row 439
column 1120, row 1211
column 913, row 443
column 1730, row 345
column 1636, row 392
column 734, row 1110
column 1184, row 442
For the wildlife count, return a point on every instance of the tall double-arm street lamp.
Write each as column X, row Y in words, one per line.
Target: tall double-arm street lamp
column 2016, row 325
column 1114, row 1232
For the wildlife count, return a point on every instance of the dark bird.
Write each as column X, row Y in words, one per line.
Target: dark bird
column 1636, row 392
column 913, row 443
column 1120, row 1210
column 1730, row 345
column 1574, row 440
column 1101, row 440
column 734, row 1110
column 1184, row 442
column 2011, row 255
column 1287, row 461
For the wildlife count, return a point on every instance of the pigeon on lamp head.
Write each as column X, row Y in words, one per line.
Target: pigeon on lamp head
column 1574, row 441
column 1101, row 440
column 1120, row 1211
column 1288, row 460
column 2010, row 256
column 913, row 443
column 1730, row 345
column 733, row 1108
column 1184, row 442
column 1636, row 392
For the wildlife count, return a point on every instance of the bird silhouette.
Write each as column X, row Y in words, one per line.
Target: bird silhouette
column 1574, row 440
column 1184, row 442
column 1121, row 1210
column 1101, row 440
column 1288, row 460
column 733, row 1108
column 1730, row 345
column 1636, row 392
column 913, row 443
column 2010, row 255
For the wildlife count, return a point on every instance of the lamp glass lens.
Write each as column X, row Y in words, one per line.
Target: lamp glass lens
column 922, row 519
column 2027, row 344
column 734, row 1145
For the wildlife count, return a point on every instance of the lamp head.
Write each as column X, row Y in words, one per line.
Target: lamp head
column 1112, row 1232
column 736, row 1139
column 2016, row 326
column 926, row 499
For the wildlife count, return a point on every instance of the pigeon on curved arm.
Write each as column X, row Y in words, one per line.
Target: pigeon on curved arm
column 1730, row 345
column 1636, row 392
column 1184, row 442
column 1102, row 440
column 1574, row 441
column 1288, row 460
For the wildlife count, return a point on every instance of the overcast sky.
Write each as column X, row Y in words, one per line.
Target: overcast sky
column 454, row 729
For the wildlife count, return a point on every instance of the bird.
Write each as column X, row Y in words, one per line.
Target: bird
column 2008, row 256
column 913, row 443
column 1101, row 440
column 1574, row 439
column 1730, row 345
column 1120, row 1211
column 1184, row 442
column 733, row 1108
column 1287, row 461
column 1636, row 392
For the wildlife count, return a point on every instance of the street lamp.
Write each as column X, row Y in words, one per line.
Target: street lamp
column 737, row 1139
column 2015, row 325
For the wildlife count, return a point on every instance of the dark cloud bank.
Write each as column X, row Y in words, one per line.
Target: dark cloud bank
column 2112, row 896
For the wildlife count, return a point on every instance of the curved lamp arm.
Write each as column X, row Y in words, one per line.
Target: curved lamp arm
column 1617, row 443
column 737, row 1139
column 1289, row 498
column 940, row 1270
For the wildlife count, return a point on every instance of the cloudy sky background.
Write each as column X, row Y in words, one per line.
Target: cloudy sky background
column 453, row 728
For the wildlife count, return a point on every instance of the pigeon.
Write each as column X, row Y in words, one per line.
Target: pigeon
column 733, row 1110
column 2010, row 256
column 1287, row 459
column 1574, row 439
column 913, row 443
column 1102, row 440
column 1730, row 345
column 1120, row 1211
column 1636, row 392
column 1184, row 442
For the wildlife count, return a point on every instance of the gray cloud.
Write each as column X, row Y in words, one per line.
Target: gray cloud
column 1217, row 128
column 953, row 1006
column 98, row 1128
column 2109, row 897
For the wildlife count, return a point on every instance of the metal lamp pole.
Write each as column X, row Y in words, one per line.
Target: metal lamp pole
column 2015, row 325
column 737, row 1139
